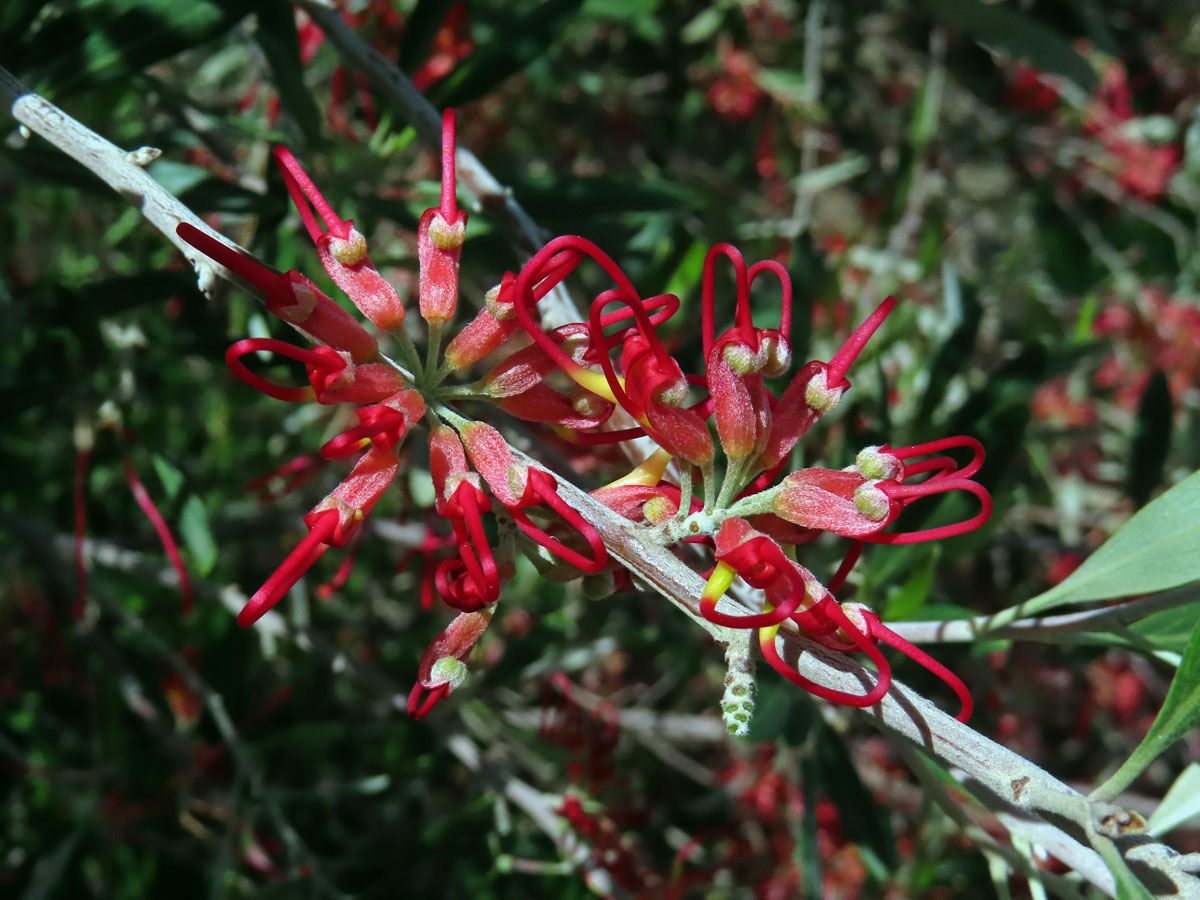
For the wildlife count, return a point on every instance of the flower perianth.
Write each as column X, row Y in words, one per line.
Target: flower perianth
column 740, row 404
column 440, row 236
column 443, row 666
column 831, row 613
column 497, row 321
column 888, row 469
column 291, row 297
column 332, row 522
column 520, row 486
column 844, row 503
column 740, row 550
column 491, row 327
column 472, row 581
column 342, row 249
column 332, row 378
column 383, row 424
column 815, row 390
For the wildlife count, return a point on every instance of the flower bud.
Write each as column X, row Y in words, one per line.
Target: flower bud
column 841, row 502
column 439, row 246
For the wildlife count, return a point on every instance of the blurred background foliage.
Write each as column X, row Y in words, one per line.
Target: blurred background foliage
column 1025, row 176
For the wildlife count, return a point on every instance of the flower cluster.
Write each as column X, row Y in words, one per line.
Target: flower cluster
column 718, row 480
column 1138, row 153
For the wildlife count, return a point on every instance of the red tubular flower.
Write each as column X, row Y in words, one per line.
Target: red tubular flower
column 888, row 471
column 844, row 503
column 740, row 401
column 451, row 44
column 528, row 367
column 497, row 321
column 740, row 357
column 443, row 665
column 762, row 564
column 517, row 385
column 650, row 504
column 471, row 581
column 382, row 424
column 332, row 379
column 291, row 297
column 653, row 383
column 332, row 522
column 816, row 389
column 342, row 249
column 430, row 545
column 160, row 528
column 881, row 632
column 654, row 388
column 828, row 613
column 440, row 236
column 342, row 575
column 292, row 474
column 520, row 486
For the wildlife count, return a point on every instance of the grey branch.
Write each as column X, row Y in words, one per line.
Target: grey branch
column 1047, row 628
column 121, row 170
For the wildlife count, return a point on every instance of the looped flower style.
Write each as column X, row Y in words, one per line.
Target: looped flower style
column 716, row 475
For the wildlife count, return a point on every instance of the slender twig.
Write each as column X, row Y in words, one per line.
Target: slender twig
column 540, row 807
column 1045, row 627
column 119, row 169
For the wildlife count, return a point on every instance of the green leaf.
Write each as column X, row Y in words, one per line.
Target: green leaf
column 1181, row 803
column 863, row 821
column 420, row 28
column 555, row 202
column 927, row 110
column 1157, row 549
column 1128, row 885
column 171, row 477
column 197, row 536
column 276, row 35
column 175, row 176
column 785, row 85
column 526, row 37
column 51, row 868
column 702, row 28
column 115, row 39
column 904, row 601
column 1005, row 28
column 1169, row 629
column 636, row 15
column 1180, row 713
column 1151, row 440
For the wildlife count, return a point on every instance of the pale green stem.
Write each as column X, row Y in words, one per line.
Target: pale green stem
column 685, row 490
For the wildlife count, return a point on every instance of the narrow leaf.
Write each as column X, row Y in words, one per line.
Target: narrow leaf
column 1128, row 885
column 1180, row 713
column 197, row 536
column 1181, row 803
column 1157, row 549
column 1015, row 32
column 277, row 37
column 169, row 475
